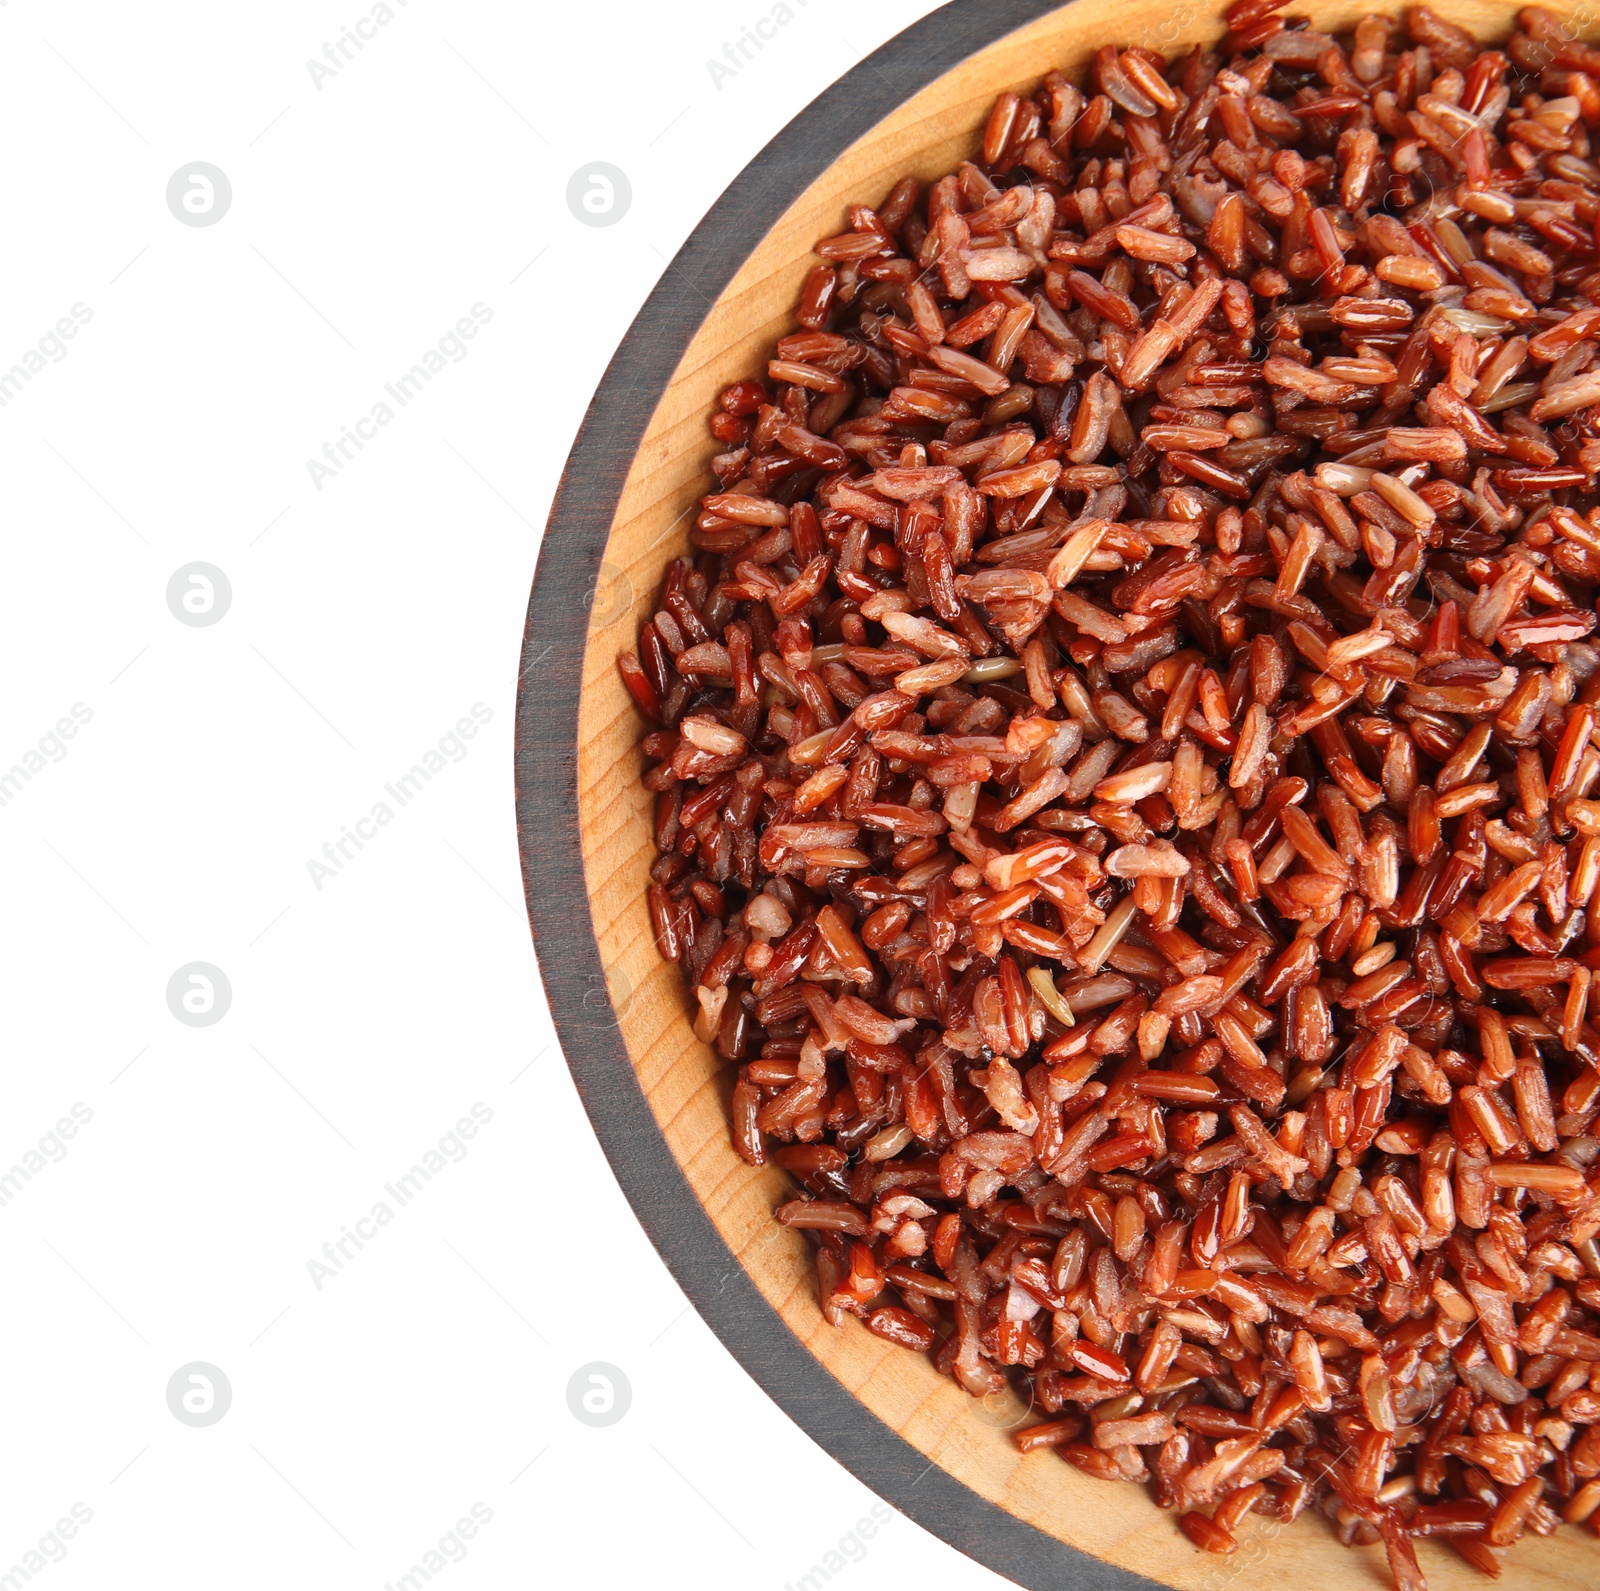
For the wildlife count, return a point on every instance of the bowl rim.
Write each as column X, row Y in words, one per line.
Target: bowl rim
column 549, row 687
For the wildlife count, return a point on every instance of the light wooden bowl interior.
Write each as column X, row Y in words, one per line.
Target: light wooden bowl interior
column 685, row 1082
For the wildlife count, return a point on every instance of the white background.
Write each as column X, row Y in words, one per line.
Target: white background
column 369, row 213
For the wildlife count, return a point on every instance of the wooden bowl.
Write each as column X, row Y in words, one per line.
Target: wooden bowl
column 656, row 1095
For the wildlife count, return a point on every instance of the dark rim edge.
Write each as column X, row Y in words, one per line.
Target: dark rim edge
column 547, row 814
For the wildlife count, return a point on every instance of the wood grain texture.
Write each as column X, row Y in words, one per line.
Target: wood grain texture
column 682, row 1080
